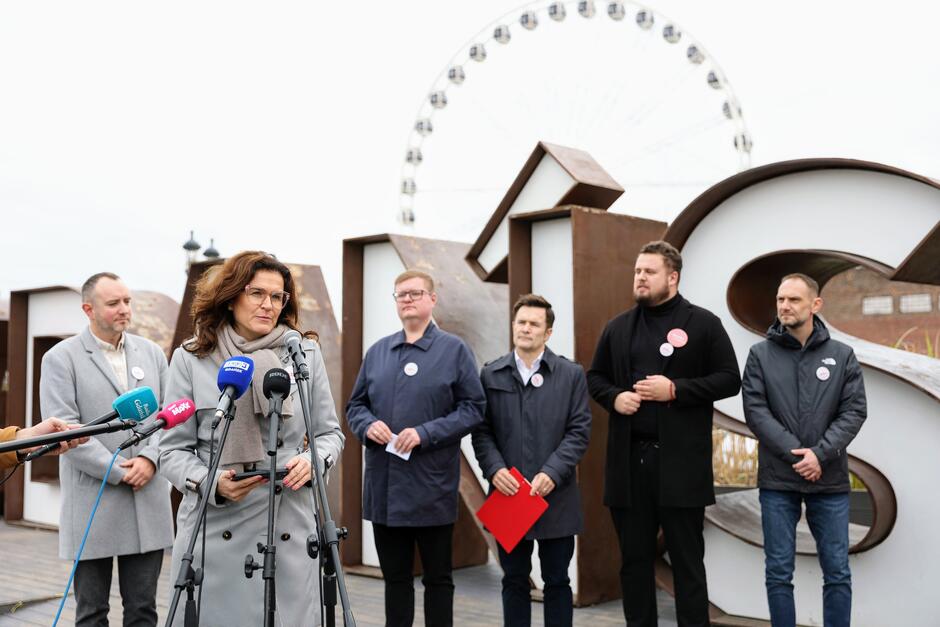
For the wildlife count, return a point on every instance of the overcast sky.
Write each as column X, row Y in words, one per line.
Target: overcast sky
column 282, row 126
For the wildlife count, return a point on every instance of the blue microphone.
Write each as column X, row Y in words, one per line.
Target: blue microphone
column 234, row 379
column 136, row 404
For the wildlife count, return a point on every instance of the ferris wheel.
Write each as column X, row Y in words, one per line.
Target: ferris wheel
column 616, row 79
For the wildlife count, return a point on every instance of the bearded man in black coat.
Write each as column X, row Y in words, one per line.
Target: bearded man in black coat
column 658, row 369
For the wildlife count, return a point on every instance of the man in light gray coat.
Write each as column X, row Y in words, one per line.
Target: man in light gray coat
column 80, row 378
column 804, row 399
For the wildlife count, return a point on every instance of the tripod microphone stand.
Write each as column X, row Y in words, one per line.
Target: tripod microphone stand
column 325, row 548
column 276, row 388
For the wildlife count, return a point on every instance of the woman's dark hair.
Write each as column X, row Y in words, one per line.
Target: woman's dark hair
column 221, row 285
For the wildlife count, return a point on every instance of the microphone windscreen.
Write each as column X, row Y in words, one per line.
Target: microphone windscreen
column 292, row 337
column 236, row 372
column 177, row 412
column 135, row 404
column 276, row 381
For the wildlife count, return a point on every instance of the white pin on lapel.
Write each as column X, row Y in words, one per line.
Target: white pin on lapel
column 822, row 373
column 666, row 349
column 138, row 373
column 537, row 380
column 411, row 369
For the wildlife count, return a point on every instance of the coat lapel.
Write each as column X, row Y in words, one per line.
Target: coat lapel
column 133, row 357
column 630, row 328
column 682, row 322
column 91, row 346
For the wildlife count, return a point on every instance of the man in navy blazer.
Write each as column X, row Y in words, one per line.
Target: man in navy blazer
column 417, row 393
column 538, row 421
column 657, row 370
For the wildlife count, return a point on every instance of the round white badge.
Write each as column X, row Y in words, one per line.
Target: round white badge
column 822, row 373
column 666, row 349
column 138, row 373
column 411, row 369
column 537, row 380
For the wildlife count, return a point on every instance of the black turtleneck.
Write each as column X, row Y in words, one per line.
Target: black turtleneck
column 652, row 325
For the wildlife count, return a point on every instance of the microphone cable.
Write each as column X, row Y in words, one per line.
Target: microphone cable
column 11, row 473
column 202, row 523
column 81, row 547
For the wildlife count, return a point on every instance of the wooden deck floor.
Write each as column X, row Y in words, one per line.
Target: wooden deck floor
column 33, row 575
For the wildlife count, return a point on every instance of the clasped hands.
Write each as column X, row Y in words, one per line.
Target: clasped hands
column 379, row 433
column 655, row 387
column 503, row 481
column 809, row 467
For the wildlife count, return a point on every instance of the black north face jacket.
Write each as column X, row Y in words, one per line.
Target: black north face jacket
column 808, row 396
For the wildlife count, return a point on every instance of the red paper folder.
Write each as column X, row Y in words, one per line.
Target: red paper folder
column 508, row 518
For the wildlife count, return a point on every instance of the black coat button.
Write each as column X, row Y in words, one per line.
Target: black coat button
column 285, row 537
column 277, row 489
column 226, row 535
column 280, row 443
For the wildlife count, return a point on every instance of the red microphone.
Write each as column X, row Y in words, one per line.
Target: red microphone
column 173, row 414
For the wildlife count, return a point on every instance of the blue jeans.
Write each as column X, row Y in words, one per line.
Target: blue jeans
column 554, row 556
column 828, row 519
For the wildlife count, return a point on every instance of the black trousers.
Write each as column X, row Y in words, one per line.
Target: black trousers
column 554, row 556
column 637, row 527
column 396, row 549
column 137, row 577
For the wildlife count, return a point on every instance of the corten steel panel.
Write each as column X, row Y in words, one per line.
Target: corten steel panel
column 467, row 307
column 155, row 317
column 315, row 314
column 17, row 344
column 16, row 395
column 923, row 264
column 592, row 187
column 46, row 468
column 604, row 250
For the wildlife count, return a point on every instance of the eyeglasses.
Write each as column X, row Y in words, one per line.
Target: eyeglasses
column 409, row 295
column 257, row 296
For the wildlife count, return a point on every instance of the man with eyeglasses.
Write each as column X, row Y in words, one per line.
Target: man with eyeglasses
column 416, row 396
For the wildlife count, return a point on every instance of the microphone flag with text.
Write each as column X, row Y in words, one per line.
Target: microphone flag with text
column 173, row 414
column 137, row 404
column 233, row 380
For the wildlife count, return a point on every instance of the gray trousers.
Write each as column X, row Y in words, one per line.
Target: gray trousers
column 137, row 577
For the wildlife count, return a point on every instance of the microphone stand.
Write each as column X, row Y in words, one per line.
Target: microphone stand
column 269, row 550
column 326, row 547
column 188, row 578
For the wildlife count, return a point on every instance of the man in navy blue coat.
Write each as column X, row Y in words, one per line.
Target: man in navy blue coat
column 417, row 390
column 538, row 421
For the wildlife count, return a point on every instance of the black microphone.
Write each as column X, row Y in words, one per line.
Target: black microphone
column 276, row 388
column 292, row 340
column 135, row 404
column 52, row 440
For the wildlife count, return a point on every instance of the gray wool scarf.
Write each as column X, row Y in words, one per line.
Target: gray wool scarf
column 243, row 445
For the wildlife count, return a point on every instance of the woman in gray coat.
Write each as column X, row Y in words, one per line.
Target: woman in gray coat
column 244, row 307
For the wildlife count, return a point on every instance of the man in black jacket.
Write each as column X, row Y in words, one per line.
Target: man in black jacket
column 658, row 369
column 804, row 399
column 538, row 421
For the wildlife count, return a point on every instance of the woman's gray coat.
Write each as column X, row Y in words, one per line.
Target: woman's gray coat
column 233, row 530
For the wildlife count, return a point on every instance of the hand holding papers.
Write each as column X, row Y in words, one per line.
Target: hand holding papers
column 390, row 447
column 508, row 518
